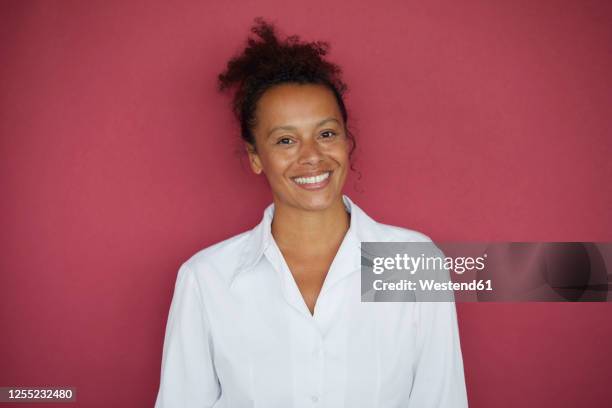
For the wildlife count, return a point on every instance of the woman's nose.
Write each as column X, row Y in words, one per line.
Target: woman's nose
column 310, row 153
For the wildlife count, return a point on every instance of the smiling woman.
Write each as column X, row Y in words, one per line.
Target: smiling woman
column 305, row 160
column 273, row 317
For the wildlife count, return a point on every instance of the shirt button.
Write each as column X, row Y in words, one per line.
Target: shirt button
column 314, row 399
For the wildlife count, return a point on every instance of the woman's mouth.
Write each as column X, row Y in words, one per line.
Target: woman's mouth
column 314, row 182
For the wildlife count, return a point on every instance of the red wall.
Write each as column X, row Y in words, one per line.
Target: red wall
column 480, row 120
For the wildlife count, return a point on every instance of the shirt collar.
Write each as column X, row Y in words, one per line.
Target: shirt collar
column 260, row 237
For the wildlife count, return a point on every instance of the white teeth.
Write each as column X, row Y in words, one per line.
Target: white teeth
column 312, row 180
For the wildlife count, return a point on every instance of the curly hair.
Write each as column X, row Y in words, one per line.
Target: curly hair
column 269, row 62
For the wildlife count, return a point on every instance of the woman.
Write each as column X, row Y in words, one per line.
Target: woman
column 272, row 317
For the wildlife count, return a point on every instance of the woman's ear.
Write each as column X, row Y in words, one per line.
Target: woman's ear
column 254, row 160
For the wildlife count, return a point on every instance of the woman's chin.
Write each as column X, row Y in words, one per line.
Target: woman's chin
column 318, row 201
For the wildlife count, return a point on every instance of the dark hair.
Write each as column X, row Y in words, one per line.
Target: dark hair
column 264, row 64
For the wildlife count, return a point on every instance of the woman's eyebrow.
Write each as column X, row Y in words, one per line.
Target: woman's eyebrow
column 288, row 127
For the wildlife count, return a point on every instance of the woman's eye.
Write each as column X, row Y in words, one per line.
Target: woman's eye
column 284, row 140
column 329, row 133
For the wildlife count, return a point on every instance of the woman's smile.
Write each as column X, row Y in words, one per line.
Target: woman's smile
column 314, row 181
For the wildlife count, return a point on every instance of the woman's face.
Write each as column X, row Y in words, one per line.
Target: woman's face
column 302, row 146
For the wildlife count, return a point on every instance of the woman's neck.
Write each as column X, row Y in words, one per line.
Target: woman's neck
column 313, row 232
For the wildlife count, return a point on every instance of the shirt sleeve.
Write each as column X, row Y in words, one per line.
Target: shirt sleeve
column 438, row 376
column 188, row 377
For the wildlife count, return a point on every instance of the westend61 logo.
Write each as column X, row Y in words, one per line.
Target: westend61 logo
column 413, row 264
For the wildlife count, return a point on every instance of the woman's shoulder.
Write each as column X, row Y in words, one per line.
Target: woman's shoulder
column 221, row 259
column 372, row 230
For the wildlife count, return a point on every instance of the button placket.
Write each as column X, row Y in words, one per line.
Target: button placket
column 320, row 368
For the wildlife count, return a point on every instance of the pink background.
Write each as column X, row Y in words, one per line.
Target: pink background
column 477, row 120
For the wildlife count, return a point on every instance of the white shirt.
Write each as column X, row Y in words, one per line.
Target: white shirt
column 239, row 333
